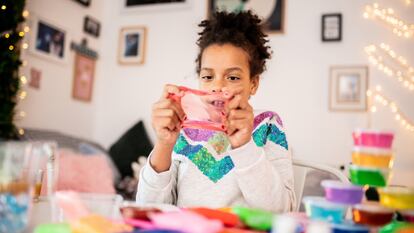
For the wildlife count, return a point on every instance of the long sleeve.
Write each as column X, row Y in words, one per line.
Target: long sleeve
column 156, row 187
column 263, row 168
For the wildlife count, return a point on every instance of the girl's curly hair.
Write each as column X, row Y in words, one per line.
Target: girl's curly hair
column 239, row 29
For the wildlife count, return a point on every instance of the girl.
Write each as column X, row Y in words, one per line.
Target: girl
column 250, row 164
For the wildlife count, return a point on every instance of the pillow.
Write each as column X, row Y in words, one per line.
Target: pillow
column 88, row 149
column 129, row 147
column 77, row 172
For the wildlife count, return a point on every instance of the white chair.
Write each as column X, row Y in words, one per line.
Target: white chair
column 300, row 170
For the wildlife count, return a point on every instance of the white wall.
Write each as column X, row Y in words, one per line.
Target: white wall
column 295, row 85
column 52, row 106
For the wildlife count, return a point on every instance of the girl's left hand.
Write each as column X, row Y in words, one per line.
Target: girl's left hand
column 239, row 121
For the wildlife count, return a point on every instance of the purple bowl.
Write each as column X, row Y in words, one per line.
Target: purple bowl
column 343, row 193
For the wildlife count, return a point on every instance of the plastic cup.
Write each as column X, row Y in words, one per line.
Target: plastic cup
column 16, row 188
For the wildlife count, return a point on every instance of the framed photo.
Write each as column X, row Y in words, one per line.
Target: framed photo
column 272, row 11
column 84, row 2
column 83, row 77
column 49, row 40
column 91, row 26
column 132, row 45
column 153, row 5
column 348, row 87
column 35, row 78
column 332, row 27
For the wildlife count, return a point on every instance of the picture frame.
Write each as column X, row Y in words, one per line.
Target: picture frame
column 85, row 3
column 49, row 40
column 83, row 77
column 140, row 6
column 132, row 45
column 348, row 86
column 331, row 27
column 91, row 26
column 35, row 78
column 272, row 12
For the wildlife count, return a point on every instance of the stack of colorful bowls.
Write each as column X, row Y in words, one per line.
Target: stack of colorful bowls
column 372, row 157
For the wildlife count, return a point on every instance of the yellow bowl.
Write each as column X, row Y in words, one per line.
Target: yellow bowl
column 397, row 197
column 367, row 159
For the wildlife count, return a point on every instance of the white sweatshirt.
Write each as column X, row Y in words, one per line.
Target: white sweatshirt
column 205, row 171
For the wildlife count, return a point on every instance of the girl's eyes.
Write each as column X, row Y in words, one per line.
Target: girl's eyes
column 233, row 78
column 207, row 77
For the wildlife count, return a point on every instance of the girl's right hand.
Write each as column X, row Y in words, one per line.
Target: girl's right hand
column 167, row 116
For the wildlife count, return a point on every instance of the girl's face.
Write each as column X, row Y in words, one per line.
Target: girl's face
column 225, row 68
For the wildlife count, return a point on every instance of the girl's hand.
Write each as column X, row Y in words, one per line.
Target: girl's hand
column 239, row 121
column 167, row 116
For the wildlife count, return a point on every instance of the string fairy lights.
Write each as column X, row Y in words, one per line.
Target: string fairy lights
column 376, row 96
column 389, row 62
column 388, row 16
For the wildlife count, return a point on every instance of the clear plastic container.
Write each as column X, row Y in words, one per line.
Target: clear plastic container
column 373, row 138
column 372, row 214
column 16, row 186
column 106, row 205
column 397, row 197
column 369, row 157
column 318, row 208
column 368, row 176
column 340, row 192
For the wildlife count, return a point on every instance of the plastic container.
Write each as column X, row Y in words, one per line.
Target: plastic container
column 372, row 157
column 372, row 214
column 368, row 176
column 408, row 215
column 349, row 227
column 373, row 138
column 397, row 197
column 340, row 192
column 16, row 185
column 318, row 208
column 106, row 205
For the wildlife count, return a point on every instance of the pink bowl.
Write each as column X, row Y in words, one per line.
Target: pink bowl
column 372, row 138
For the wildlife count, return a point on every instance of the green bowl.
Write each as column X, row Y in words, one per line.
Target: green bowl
column 368, row 176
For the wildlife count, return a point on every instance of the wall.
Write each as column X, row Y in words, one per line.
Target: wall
column 295, row 84
column 52, row 106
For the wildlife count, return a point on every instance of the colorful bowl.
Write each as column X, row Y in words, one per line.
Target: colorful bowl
column 397, row 197
column 349, row 227
column 373, row 138
column 318, row 208
column 367, row 157
column 340, row 192
column 368, row 176
column 372, row 214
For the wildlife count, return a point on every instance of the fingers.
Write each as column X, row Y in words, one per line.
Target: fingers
column 171, row 89
column 237, row 114
column 234, row 103
column 170, row 105
column 239, row 119
column 167, row 123
column 235, row 126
